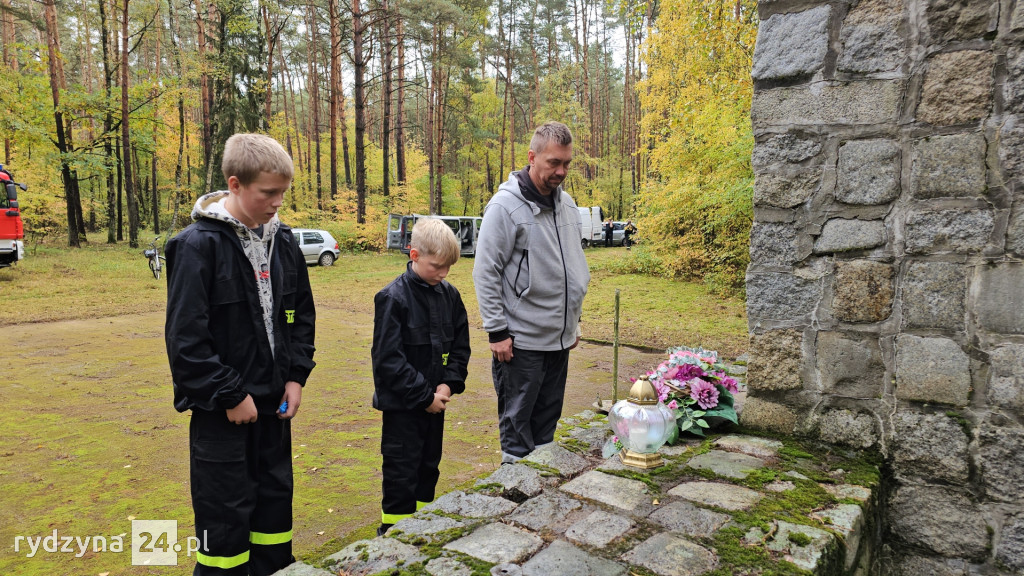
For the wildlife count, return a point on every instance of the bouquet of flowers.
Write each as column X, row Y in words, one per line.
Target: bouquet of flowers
column 697, row 388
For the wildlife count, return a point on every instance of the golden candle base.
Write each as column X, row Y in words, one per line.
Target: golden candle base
column 638, row 460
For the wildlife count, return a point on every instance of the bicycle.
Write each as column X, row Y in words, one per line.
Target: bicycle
column 153, row 255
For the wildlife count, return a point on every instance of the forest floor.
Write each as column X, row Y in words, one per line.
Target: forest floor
column 89, row 440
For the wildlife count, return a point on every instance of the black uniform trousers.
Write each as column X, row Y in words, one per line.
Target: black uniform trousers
column 530, row 390
column 410, row 443
column 241, row 494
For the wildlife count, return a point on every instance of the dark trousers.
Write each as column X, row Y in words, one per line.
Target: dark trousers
column 241, row 493
column 410, row 442
column 530, row 390
column 608, row 240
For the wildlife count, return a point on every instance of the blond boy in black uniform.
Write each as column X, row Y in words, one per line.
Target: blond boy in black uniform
column 420, row 355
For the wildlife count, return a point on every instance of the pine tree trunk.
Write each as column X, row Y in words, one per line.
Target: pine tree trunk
column 360, row 109
column 56, row 83
column 385, row 131
column 335, row 58
column 400, row 105
column 129, row 185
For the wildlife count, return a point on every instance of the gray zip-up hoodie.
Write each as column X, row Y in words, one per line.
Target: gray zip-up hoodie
column 529, row 272
column 259, row 250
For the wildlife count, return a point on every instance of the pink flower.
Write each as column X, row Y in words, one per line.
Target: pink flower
column 673, row 405
column 688, row 371
column 727, row 382
column 661, row 389
column 704, row 393
column 615, row 439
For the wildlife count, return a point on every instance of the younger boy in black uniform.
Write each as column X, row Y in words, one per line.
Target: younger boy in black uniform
column 239, row 332
column 420, row 353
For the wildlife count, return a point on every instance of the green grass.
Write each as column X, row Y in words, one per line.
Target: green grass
column 89, row 439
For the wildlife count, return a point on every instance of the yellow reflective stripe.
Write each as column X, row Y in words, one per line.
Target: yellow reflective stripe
column 420, row 505
column 386, row 518
column 222, row 561
column 269, row 539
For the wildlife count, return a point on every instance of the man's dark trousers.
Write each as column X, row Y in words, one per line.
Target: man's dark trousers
column 410, row 444
column 241, row 493
column 530, row 390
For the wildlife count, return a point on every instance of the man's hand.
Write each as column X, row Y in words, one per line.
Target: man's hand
column 437, row 406
column 444, row 390
column 244, row 413
column 575, row 344
column 293, row 396
column 502, row 350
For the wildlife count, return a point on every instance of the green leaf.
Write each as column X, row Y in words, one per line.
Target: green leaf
column 703, row 424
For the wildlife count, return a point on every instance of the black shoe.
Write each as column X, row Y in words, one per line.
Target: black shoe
column 383, row 528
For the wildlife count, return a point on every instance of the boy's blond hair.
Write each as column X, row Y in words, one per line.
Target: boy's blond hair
column 247, row 155
column 433, row 237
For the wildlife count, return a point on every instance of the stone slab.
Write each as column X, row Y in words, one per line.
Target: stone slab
column 870, row 38
column 301, row 569
column 775, row 360
column 767, row 415
column 804, row 556
column 850, row 364
column 728, row 464
column 779, row 296
column 934, row 295
column 786, row 190
column 564, row 559
column 548, row 511
column 950, row 20
column 1006, row 384
column 844, row 103
column 717, row 494
column 782, row 149
column 868, row 172
column 756, row 446
column 930, row 447
column 669, row 555
column 932, row 370
column 497, row 543
column 957, row 88
column 594, row 438
column 792, row 44
column 611, row 490
column 689, row 519
column 848, row 520
column 863, row 291
column 567, row 464
column 774, row 243
column 443, row 566
column 999, row 297
column 848, row 427
column 780, row 486
column 425, row 525
column 938, row 231
column 371, row 556
column 1010, row 550
column 844, row 235
column 1001, row 454
column 598, row 529
column 926, row 516
column 848, row 491
column 951, row 166
column 471, row 505
column 518, row 482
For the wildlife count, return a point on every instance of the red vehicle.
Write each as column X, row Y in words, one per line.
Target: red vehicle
column 12, row 231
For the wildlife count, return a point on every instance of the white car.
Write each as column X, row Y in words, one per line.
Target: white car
column 318, row 246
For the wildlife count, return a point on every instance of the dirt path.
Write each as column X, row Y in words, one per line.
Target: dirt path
column 89, row 439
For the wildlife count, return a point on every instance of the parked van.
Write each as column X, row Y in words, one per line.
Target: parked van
column 466, row 229
column 593, row 222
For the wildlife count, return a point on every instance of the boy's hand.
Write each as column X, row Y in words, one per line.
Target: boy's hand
column 293, row 396
column 444, row 390
column 244, row 413
column 437, row 406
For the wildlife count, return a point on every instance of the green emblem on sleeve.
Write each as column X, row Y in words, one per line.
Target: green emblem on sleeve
column 444, row 359
column 289, row 316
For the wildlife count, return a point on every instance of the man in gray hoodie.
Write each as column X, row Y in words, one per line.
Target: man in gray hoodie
column 531, row 277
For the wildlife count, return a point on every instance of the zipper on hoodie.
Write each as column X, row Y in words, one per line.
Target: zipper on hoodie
column 565, row 274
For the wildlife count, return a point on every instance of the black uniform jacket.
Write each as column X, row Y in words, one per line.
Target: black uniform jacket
column 420, row 340
column 216, row 341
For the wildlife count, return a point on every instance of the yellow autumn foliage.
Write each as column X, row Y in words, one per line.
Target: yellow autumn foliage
column 696, row 139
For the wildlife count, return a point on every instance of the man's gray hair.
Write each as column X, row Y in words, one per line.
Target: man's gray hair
column 547, row 132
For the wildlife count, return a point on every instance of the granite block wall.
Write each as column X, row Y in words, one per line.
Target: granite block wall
column 886, row 284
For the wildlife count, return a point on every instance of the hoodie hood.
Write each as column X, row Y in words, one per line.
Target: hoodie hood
column 258, row 248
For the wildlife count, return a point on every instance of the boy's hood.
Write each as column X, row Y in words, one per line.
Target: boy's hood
column 211, row 206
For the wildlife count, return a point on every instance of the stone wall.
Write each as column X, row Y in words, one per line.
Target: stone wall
column 886, row 285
